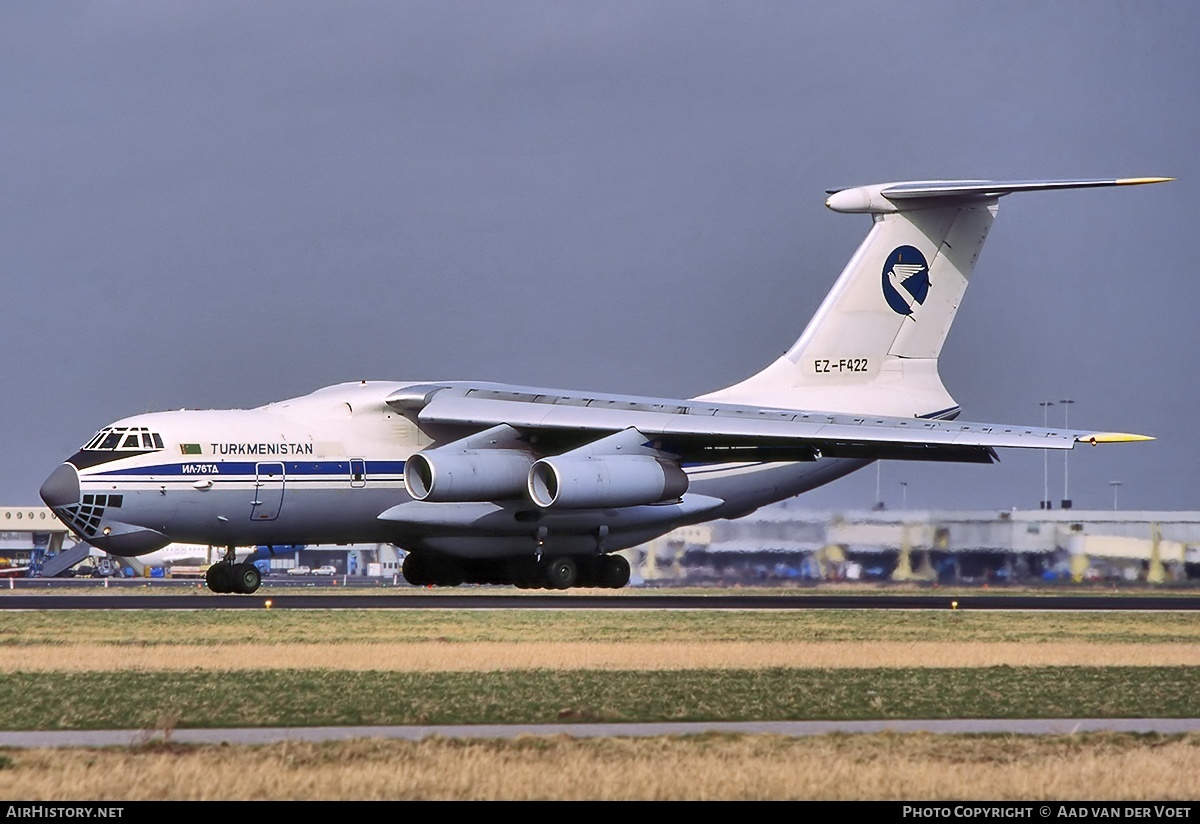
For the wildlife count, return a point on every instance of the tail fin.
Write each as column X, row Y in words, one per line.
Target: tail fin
column 873, row 344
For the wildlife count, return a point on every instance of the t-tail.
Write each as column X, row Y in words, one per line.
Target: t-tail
column 873, row 344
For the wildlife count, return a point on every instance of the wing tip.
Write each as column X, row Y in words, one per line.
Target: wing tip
column 1138, row 181
column 1112, row 437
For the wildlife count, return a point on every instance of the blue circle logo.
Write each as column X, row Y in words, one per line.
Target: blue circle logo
column 905, row 279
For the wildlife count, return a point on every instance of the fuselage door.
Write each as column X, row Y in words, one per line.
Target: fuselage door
column 358, row 473
column 268, row 492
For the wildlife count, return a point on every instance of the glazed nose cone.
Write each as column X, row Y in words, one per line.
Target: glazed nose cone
column 62, row 487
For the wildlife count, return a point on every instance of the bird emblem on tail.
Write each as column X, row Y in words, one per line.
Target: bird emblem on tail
column 905, row 279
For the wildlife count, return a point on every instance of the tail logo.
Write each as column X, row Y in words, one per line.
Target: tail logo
column 905, row 279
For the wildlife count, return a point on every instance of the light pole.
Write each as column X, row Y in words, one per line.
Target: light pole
column 1115, row 486
column 1046, row 456
column 1066, row 405
column 904, row 495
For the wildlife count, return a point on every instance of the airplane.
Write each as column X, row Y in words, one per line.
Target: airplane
column 189, row 555
column 184, row 554
column 539, row 488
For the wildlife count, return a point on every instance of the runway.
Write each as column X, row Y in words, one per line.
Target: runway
column 411, row 599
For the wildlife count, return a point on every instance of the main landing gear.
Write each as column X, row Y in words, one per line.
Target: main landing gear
column 228, row 576
column 558, row 572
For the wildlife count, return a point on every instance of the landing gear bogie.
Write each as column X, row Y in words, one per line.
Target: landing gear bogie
column 553, row 572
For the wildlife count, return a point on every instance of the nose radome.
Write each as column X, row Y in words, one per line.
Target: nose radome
column 62, row 487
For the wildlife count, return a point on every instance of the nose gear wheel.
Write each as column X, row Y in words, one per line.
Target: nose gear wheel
column 228, row 576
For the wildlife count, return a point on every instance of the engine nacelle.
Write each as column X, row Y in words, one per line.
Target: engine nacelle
column 483, row 475
column 612, row 481
column 492, row 465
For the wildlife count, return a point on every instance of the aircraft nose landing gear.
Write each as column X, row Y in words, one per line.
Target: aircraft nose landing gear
column 227, row 576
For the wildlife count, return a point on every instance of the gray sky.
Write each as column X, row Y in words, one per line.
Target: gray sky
column 216, row 204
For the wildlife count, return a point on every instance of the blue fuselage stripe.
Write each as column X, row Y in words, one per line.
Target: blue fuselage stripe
column 251, row 468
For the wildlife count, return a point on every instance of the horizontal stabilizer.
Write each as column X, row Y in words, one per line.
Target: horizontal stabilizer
column 890, row 197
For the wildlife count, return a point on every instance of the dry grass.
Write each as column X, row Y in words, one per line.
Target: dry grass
column 216, row 628
column 885, row 767
column 583, row 655
column 888, row 767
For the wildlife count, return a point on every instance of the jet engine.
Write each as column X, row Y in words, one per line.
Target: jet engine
column 619, row 470
column 490, row 466
column 592, row 483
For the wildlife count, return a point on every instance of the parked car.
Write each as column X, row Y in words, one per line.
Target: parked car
column 325, row 570
column 299, row 570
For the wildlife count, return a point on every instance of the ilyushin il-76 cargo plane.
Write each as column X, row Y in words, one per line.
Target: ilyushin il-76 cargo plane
column 500, row 484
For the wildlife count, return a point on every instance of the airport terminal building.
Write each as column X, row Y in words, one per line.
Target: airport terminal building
column 790, row 543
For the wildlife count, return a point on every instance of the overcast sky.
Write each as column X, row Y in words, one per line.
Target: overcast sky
column 222, row 204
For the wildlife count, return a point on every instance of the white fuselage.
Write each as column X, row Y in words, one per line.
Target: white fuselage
column 323, row 468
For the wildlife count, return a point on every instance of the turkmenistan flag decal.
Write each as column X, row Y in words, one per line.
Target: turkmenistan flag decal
column 189, row 448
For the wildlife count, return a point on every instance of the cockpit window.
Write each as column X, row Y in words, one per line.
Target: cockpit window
column 125, row 439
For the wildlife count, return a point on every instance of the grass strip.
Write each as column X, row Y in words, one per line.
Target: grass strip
column 328, row 627
column 299, row 697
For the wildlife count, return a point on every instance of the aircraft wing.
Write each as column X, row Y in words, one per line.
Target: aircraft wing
column 713, row 432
